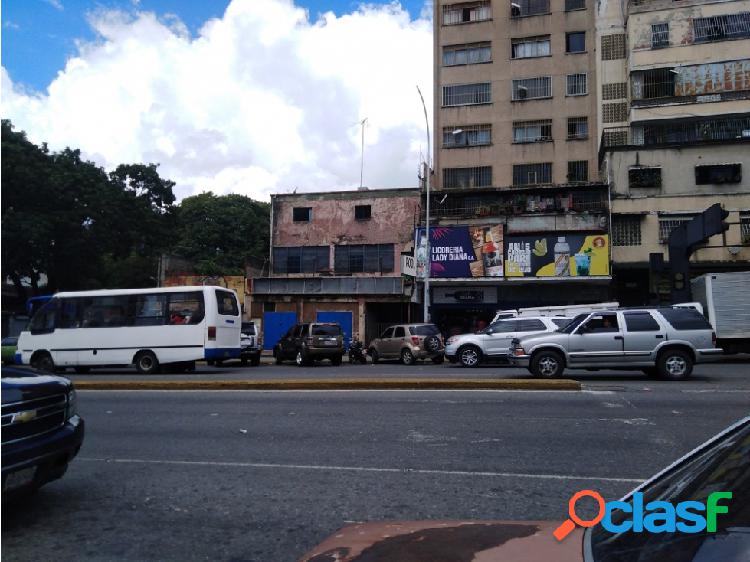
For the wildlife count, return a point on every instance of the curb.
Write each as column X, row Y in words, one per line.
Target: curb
column 337, row 384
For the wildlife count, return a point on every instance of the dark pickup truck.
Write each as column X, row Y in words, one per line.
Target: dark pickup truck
column 41, row 429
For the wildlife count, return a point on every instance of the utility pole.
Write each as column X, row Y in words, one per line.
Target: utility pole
column 428, row 266
column 362, row 158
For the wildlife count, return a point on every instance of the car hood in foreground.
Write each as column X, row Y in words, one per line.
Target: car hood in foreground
column 26, row 384
column 462, row 541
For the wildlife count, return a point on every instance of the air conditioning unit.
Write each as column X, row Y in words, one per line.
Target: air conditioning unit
column 522, row 92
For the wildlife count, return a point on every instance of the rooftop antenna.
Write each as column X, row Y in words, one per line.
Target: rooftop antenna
column 362, row 159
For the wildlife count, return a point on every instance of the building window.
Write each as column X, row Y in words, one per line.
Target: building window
column 718, row 173
column 575, row 42
column 626, row 230
column 655, row 83
column 687, row 132
column 523, row 8
column 614, row 112
column 530, row 47
column 578, row 128
column 468, row 12
column 721, row 28
column 302, row 214
column 532, row 131
column 462, row 136
column 615, row 91
column 644, row 177
column 745, row 227
column 532, row 174
column 576, row 85
column 308, row 259
column 467, row 94
column 668, row 223
column 478, row 176
column 364, row 258
column 659, row 35
column 571, row 5
column 613, row 46
column 532, row 88
column 473, row 53
column 362, row 212
column 578, row 171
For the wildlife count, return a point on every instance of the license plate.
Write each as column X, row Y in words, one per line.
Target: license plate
column 19, row 478
column 329, row 343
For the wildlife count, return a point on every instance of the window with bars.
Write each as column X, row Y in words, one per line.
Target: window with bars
column 530, row 47
column 473, row 53
column 745, row 227
column 614, row 112
column 467, row 135
column 575, row 42
column 476, row 176
column 710, row 174
column 659, row 35
column 532, row 88
column 309, row 259
column 668, row 223
column 532, row 131
column 571, row 5
column 363, row 258
column 523, row 8
column 467, row 94
column 467, row 12
column 721, row 28
column 613, row 46
column 626, row 230
column 532, row 174
column 654, row 83
column 578, row 171
column 576, row 85
column 578, row 128
column 615, row 91
column 644, row 177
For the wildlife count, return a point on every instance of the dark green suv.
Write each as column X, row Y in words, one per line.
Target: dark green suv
column 305, row 343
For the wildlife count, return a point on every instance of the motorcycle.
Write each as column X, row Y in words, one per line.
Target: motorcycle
column 357, row 353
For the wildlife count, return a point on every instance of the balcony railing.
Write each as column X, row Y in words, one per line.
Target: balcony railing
column 677, row 133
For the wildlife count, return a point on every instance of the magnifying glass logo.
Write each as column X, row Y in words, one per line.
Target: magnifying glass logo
column 569, row 524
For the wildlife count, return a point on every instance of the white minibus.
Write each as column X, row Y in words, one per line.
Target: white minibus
column 173, row 326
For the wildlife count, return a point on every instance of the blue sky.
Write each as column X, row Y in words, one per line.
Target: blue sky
column 38, row 36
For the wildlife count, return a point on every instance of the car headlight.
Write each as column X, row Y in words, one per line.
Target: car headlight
column 72, row 409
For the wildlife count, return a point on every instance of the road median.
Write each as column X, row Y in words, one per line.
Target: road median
column 335, row 384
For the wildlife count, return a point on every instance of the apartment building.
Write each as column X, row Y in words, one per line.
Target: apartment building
column 336, row 257
column 674, row 126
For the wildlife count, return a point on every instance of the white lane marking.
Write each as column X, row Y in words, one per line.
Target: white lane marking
column 629, row 421
column 365, row 469
column 725, row 391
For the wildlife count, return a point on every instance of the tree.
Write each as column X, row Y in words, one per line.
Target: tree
column 219, row 234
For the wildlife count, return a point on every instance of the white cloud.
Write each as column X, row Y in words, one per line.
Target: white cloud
column 262, row 100
column 56, row 4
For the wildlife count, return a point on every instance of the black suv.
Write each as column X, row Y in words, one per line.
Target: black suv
column 310, row 341
column 41, row 429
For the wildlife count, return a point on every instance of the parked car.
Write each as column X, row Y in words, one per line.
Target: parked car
column 663, row 342
column 493, row 343
column 306, row 343
column 9, row 346
column 720, row 464
column 409, row 343
column 250, row 345
column 41, row 429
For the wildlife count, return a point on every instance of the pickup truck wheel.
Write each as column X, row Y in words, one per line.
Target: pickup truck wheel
column 547, row 365
column 374, row 355
column 470, row 356
column 146, row 363
column 407, row 357
column 674, row 364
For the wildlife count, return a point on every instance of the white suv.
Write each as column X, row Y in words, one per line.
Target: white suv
column 494, row 342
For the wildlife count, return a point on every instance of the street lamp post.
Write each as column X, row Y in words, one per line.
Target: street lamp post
column 428, row 265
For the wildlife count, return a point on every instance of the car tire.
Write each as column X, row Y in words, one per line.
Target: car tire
column 407, row 357
column 43, row 362
column 82, row 370
column 336, row 361
column 439, row 360
column 146, row 363
column 255, row 361
column 431, row 344
column 301, row 359
column 375, row 356
column 470, row 356
column 547, row 365
column 674, row 364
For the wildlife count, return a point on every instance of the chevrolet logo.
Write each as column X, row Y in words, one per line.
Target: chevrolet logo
column 23, row 417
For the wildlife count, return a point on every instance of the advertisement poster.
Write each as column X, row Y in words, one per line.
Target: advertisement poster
column 461, row 251
column 559, row 255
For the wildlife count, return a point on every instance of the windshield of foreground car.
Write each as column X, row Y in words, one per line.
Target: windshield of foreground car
column 573, row 324
column 724, row 466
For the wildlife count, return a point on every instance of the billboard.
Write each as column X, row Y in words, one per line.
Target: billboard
column 557, row 255
column 461, row 251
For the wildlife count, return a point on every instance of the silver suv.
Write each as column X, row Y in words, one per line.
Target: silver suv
column 409, row 343
column 663, row 342
column 493, row 343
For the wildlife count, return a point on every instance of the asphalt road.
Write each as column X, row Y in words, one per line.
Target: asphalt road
column 264, row 476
